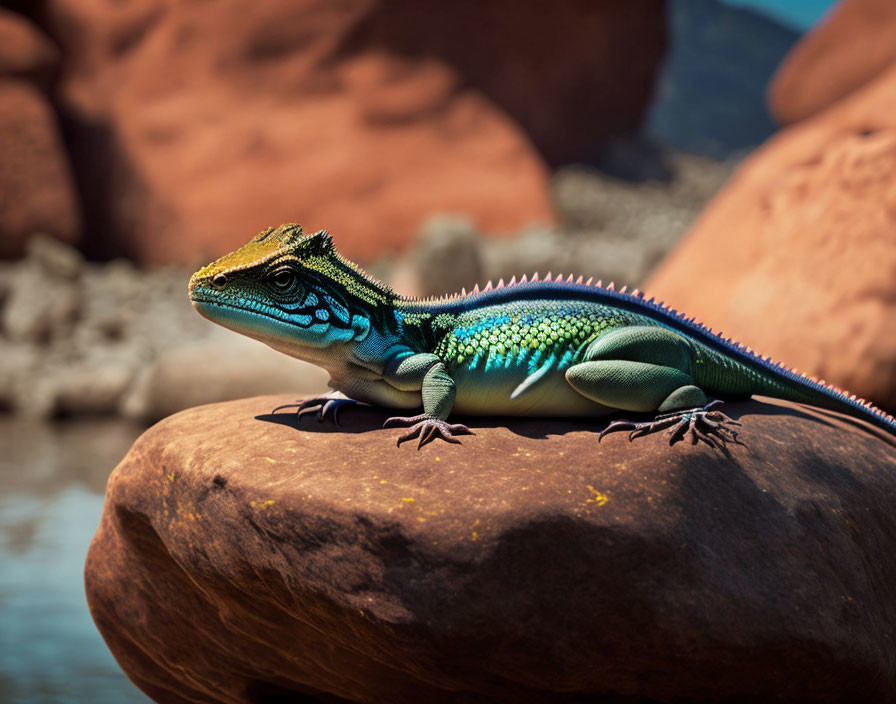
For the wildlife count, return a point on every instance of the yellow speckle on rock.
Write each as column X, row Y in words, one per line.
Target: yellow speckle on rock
column 186, row 510
column 170, row 476
column 438, row 459
column 409, row 500
column 421, row 519
column 270, row 459
column 383, row 481
column 599, row 498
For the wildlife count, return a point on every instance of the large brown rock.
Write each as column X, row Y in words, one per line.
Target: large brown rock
column 363, row 117
column 795, row 256
column 850, row 47
column 37, row 192
column 24, row 52
column 241, row 558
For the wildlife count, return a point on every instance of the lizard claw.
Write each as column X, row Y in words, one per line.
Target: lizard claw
column 700, row 424
column 326, row 407
column 428, row 429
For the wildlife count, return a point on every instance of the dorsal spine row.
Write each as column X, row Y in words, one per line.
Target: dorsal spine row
column 636, row 301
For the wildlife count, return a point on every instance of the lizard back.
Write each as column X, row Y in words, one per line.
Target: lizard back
column 614, row 308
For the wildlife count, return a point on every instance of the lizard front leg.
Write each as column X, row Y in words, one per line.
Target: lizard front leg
column 437, row 390
column 325, row 407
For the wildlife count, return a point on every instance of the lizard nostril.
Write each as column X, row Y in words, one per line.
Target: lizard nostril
column 219, row 281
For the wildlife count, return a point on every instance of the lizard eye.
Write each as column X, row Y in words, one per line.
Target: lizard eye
column 283, row 280
column 219, row 281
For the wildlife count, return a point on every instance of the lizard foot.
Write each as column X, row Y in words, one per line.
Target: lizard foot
column 326, row 407
column 428, row 428
column 701, row 424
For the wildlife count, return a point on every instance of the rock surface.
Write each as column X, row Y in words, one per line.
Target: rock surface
column 215, row 121
column 37, row 192
column 241, row 558
column 795, row 257
column 850, row 47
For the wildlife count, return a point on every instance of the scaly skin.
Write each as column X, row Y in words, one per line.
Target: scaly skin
column 530, row 348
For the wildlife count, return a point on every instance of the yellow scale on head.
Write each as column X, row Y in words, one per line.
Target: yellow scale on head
column 314, row 252
column 265, row 245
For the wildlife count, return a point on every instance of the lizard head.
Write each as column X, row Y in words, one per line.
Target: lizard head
column 289, row 290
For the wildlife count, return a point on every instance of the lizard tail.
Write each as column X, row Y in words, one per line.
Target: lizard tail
column 790, row 385
column 753, row 374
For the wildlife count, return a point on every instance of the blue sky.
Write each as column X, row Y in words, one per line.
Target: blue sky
column 799, row 14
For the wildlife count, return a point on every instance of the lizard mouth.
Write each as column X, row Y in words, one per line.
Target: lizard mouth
column 219, row 312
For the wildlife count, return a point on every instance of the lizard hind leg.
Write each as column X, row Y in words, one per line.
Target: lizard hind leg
column 700, row 423
column 644, row 387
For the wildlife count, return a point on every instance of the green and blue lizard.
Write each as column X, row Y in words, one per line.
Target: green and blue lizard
column 536, row 347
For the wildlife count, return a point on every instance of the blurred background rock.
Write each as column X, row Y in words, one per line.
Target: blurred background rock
column 443, row 144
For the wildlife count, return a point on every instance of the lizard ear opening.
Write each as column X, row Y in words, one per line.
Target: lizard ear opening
column 320, row 243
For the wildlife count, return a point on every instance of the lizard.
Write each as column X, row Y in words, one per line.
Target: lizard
column 548, row 346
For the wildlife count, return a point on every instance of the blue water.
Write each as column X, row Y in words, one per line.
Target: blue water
column 798, row 14
column 52, row 479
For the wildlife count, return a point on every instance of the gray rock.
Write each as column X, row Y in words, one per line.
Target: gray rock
column 87, row 389
column 624, row 261
column 223, row 368
column 17, row 375
column 534, row 250
column 652, row 214
column 447, row 257
column 54, row 257
column 39, row 306
column 614, row 229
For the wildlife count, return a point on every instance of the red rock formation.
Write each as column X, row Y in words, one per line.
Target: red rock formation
column 36, row 188
column 361, row 117
column 850, row 47
column 796, row 256
column 24, row 53
column 244, row 560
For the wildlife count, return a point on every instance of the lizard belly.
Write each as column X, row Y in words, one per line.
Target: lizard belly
column 376, row 392
column 488, row 392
